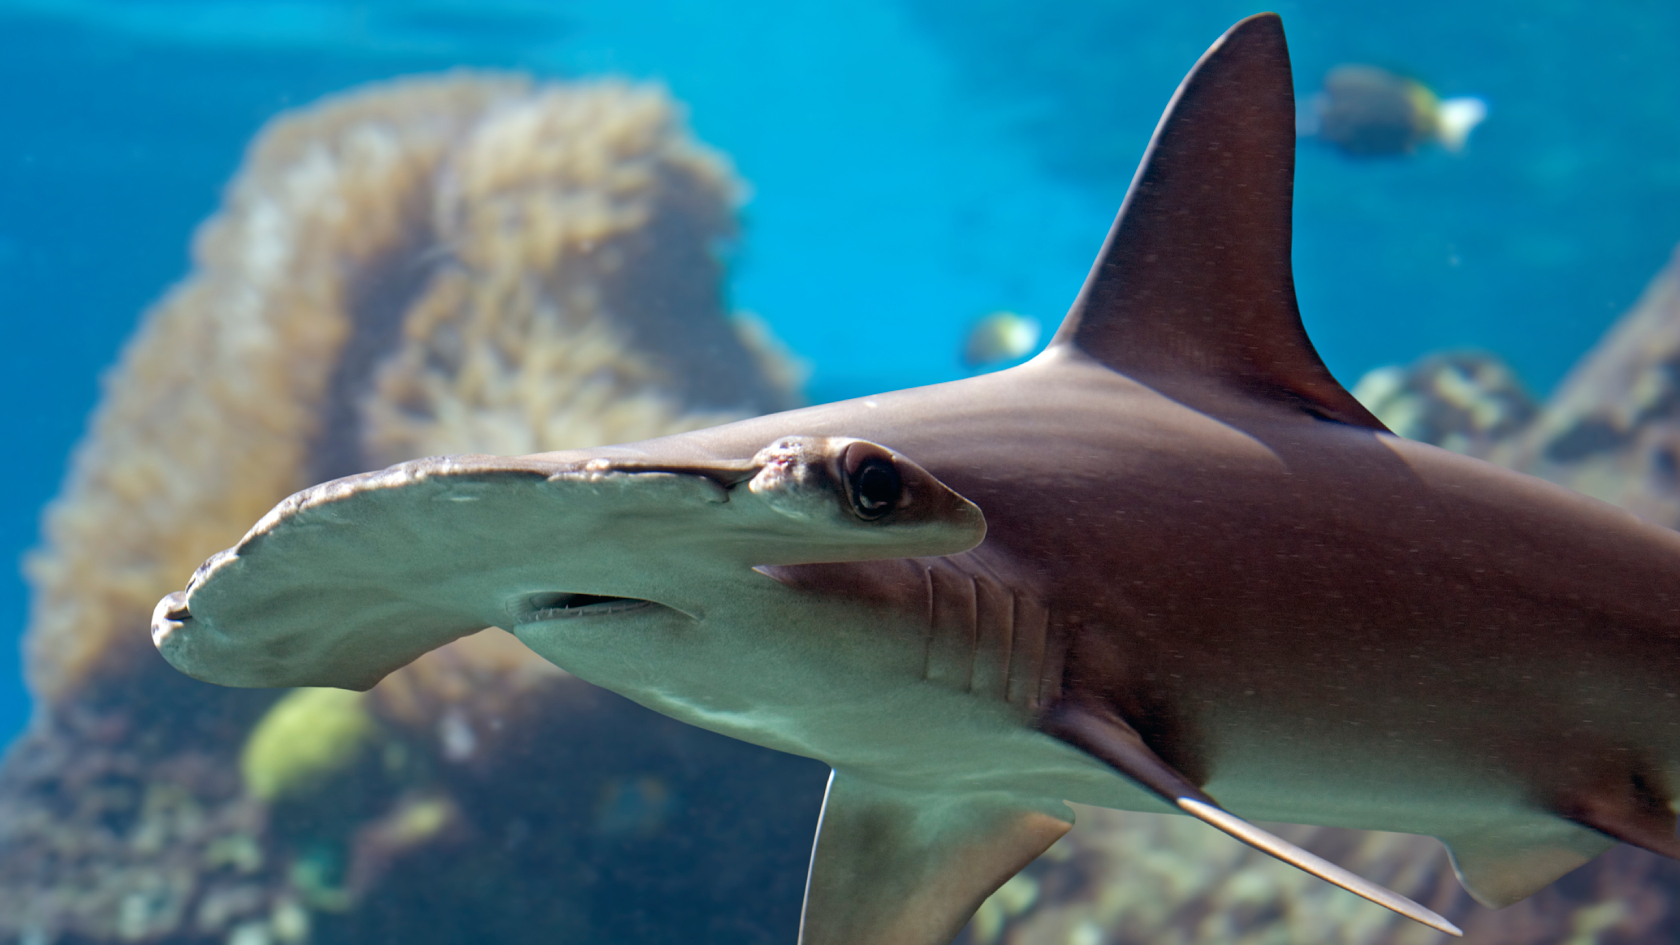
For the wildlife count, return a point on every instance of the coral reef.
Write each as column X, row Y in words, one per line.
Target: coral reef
column 222, row 396
column 110, row 832
column 462, row 263
column 1464, row 401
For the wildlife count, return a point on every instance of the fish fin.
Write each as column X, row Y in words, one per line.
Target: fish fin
column 1194, row 281
column 1507, row 864
column 895, row 868
column 1106, row 737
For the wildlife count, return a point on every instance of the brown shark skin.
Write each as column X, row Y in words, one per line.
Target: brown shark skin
column 1257, row 590
column 1196, row 535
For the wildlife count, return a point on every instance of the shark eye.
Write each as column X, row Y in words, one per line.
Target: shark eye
column 875, row 489
column 873, row 481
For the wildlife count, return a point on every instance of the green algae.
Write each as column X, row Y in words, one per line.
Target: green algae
column 305, row 739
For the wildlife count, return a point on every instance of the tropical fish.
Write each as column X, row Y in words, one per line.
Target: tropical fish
column 1169, row 564
column 999, row 338
column 1368, row 111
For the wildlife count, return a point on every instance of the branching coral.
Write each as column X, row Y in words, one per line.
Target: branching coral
column 578, row 231
column 464, row 263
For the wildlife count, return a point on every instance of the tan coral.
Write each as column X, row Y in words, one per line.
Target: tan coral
column 576, row 227
column 460, row 263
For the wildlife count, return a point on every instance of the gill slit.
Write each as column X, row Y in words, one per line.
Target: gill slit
column 927, row 637
column 1006, row 656
column 1051, row 661
column 1026, row 680
column 974, row 622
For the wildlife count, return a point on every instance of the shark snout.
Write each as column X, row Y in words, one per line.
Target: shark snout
column 169, row 616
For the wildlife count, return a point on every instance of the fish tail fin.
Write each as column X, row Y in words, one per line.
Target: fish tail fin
column 1456, row 118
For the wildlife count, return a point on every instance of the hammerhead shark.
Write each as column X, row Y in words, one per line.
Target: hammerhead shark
column 1170, row 564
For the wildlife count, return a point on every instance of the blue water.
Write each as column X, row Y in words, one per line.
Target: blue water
column 915, row 164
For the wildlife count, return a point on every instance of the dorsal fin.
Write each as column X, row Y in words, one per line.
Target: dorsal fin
column 1194, row 280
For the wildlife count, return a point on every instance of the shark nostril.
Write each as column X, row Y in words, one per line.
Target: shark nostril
column 172, row 609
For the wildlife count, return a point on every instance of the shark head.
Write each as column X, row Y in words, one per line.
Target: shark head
column 349, row 580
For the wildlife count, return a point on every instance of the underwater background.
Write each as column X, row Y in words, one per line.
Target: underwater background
column 909, row 166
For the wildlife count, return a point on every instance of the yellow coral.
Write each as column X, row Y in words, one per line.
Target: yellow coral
column 458, row 263
column 303, row 740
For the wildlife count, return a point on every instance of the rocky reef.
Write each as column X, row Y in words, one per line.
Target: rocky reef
column 463, row 263
column 1612, row 430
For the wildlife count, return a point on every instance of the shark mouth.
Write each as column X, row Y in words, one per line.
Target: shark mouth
column 540, row 607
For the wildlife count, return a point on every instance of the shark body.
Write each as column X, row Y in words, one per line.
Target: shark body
column 1168, row 565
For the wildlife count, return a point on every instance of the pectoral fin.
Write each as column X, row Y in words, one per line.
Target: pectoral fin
column 1505, row 863
column 893, row 867
column 1105, row 736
